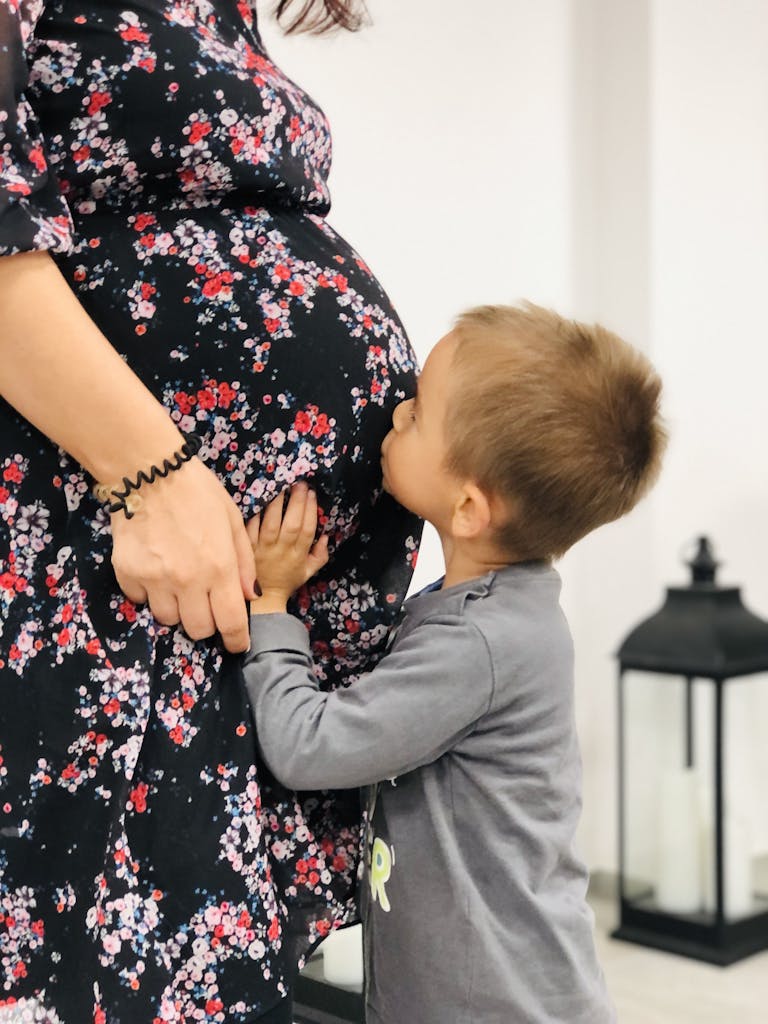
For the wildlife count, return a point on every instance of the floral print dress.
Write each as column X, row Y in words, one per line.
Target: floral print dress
column 151, row 870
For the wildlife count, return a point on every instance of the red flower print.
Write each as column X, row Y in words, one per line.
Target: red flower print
column 212, row 287
column 184, row 402
column 143, row 221
column 98, row 100
column 274, row 929
column 198, row 131
column 206, row 399
column 226, row 395
column 37, row 158
column 322, row 426
column 302, row 422
column 134, row 35
column 138, row 797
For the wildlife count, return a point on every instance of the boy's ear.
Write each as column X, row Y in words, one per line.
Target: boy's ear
column 471, row 512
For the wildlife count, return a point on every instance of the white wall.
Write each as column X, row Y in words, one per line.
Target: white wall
column 610, row 158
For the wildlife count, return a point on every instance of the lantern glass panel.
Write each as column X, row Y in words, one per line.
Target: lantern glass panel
column 745, row 806
column 662, row 793
column 669, row 801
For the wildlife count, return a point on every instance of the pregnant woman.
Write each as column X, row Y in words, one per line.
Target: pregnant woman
column 167, row 272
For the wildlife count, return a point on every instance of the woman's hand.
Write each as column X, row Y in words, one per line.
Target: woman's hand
column 186, row 553
column 285, row 549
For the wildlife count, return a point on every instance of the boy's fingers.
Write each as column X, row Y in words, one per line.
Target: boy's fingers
column 309, row 525
column 318, row 556
column 271, row 518
column 252, row 529
column 294, row 513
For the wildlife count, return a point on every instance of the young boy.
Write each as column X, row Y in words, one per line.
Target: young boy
column 527, row 432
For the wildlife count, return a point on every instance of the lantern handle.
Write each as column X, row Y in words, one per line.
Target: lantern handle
column 702, row 563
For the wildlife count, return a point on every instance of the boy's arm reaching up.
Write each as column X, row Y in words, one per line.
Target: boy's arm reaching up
column 418, row 703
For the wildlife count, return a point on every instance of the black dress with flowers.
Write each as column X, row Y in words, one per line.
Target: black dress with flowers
column 150, row 869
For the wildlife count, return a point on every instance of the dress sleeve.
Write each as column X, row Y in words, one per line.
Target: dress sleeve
column 421, row 700
column 33, row 214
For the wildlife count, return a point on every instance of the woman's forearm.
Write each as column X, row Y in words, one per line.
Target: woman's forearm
column 60, row 372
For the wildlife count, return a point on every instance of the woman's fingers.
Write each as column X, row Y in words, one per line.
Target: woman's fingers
column 164, row 606
column 231, row 617
column 132, row 589
column 246, row 565
column 195, row 615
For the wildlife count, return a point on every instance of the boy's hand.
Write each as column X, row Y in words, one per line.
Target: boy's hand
column 284, row 548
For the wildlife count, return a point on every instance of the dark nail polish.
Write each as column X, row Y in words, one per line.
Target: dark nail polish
column 256, row 588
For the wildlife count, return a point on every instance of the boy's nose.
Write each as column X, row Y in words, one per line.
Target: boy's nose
column 399, row 414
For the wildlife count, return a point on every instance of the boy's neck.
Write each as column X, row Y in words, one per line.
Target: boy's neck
column 468, row 562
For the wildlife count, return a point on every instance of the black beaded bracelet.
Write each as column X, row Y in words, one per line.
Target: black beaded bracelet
column 124, row 500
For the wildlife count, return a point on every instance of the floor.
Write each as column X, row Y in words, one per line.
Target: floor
column 649, row 987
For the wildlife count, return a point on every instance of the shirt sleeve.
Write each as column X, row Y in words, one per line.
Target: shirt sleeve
column 422, row 699
column 33, row 214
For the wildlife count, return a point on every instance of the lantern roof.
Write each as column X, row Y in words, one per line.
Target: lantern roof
column 700, row 630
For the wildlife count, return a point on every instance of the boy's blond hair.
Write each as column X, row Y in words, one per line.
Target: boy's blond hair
column 558, row 419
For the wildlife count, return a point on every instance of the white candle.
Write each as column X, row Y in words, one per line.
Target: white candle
column 678, row 888
column 708, row 881
column 737, row 862
column 343, row 957
column 738, row 867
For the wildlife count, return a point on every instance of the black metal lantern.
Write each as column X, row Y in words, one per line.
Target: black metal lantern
column 687, row 831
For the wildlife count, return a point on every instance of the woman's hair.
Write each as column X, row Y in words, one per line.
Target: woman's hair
column 317, row 16
column 558, row 419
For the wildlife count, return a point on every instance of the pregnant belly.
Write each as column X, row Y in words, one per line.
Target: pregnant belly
column 260, row 330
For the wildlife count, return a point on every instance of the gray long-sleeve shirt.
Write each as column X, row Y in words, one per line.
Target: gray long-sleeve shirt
column 474, row 902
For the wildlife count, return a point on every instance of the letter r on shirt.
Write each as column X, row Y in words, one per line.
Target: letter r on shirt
column 381, row 868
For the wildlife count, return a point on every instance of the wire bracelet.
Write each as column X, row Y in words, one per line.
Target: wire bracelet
column 125, row 499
